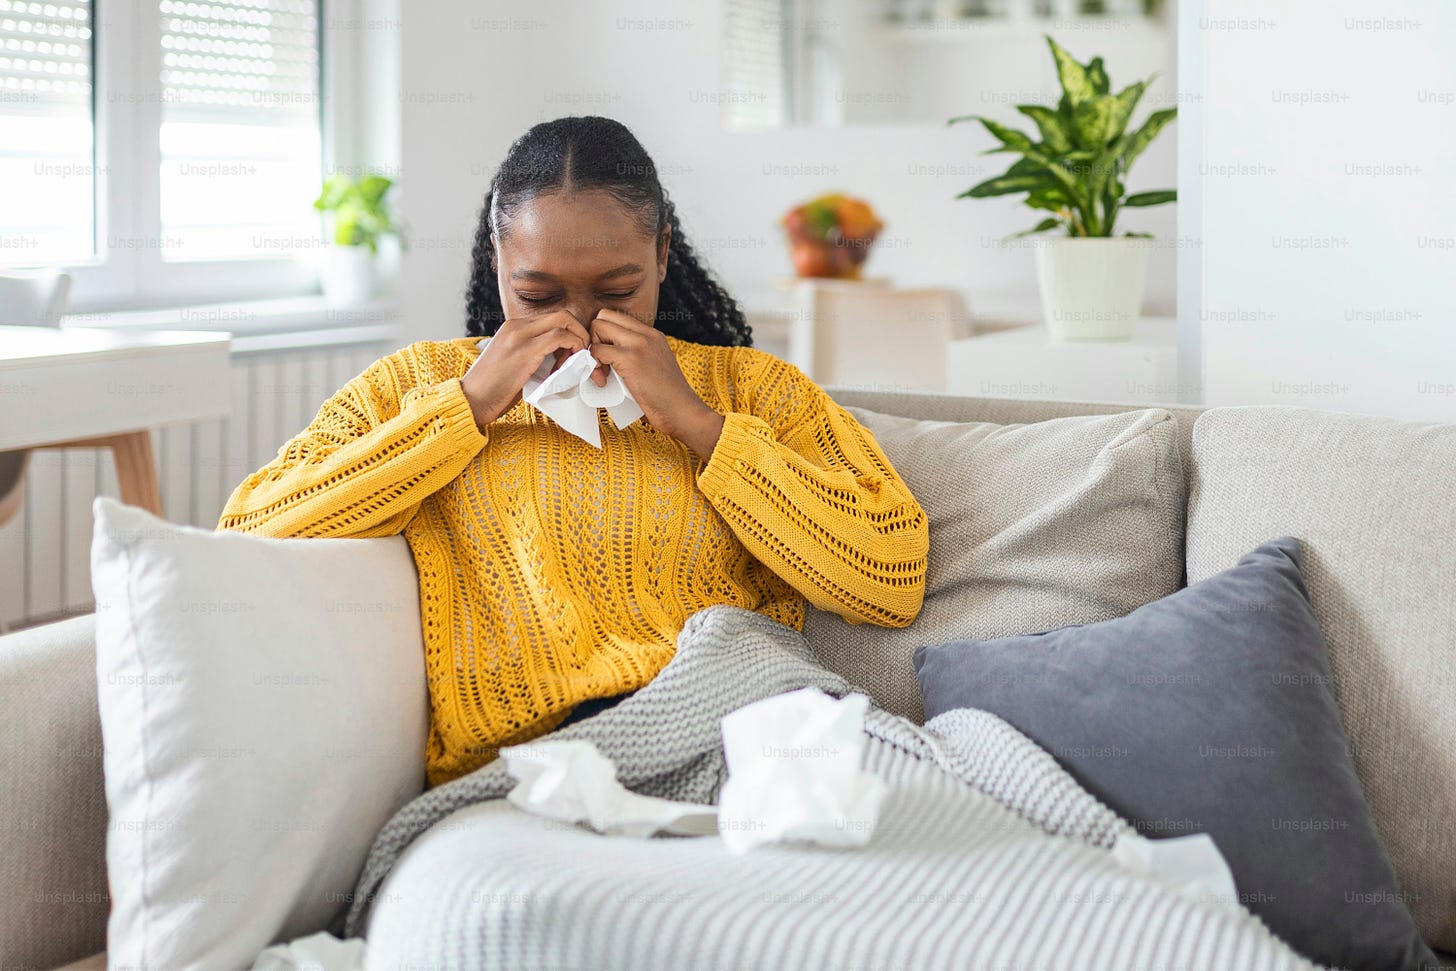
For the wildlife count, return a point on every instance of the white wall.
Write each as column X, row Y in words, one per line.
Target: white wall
column 1328, row 203
column 475, row 76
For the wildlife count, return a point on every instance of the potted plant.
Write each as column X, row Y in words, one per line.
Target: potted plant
column 1091, row 280
column 361, row 218
column 831, row 236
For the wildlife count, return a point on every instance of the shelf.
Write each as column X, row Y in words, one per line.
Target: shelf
column 247, row 317
column 960, row 29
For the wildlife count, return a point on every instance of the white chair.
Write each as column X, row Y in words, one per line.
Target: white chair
column 33, row 298
column 876, row 337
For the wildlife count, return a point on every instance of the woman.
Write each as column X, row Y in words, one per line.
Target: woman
column 554, row 575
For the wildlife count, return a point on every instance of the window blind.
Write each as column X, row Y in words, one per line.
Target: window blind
column 252, row 62
column 240, row 129
column 47, row 192
column 45, row 54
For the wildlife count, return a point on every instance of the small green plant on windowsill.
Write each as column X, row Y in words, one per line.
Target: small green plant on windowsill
column 361, row 216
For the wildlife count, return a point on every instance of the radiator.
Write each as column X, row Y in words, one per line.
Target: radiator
column 46, row 549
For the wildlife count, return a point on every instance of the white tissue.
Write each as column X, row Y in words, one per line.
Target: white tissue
column 571, row 397
column 794, row 773
column 1190, row 865
column 571, row 782
column 316, row 952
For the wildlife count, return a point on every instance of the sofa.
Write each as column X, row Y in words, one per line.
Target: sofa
column 1372, row 499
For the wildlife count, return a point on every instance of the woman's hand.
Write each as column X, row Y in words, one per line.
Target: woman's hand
column 642, row 358
column 494, row 382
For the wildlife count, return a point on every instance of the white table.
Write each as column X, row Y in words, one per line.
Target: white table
column 75, row 387
column 1025, row 362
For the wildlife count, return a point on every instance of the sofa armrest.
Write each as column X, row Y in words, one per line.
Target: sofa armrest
column 53, row 893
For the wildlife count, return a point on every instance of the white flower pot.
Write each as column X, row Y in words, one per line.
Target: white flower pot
column 348, row 276
column 1091, row 289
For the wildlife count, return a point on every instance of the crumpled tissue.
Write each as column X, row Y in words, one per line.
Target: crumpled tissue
column 571, row 398
column 316, row 952
column 1191, row 865
column 572, row 782
column 794, row 773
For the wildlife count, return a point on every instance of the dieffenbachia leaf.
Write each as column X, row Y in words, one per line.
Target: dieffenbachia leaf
column 1123, row 105
column 1010, row 138
column 1143, row 137
column 1003, row 185
column 1151, row 198
column 1076, row 85
column 1041, row 227
column 1051, row 199
column 1091, row 120
column 1052, row 126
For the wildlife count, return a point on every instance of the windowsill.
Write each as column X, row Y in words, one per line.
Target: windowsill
column 262, row 325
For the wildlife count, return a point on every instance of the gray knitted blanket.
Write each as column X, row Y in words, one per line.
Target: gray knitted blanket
column 987, row 854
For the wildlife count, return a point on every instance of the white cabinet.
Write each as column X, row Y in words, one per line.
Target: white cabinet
column 1024, row 362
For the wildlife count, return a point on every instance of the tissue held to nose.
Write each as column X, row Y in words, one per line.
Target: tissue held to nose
column 571, row 397
column 794, row 773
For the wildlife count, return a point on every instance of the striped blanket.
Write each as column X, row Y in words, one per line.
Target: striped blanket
column 986, row 855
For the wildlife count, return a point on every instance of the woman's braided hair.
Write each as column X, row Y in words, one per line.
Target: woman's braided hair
column 600, row 153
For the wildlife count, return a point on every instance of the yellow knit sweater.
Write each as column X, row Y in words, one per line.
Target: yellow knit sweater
column 551, row 572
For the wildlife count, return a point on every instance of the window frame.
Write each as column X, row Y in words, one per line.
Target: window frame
column 126, row 120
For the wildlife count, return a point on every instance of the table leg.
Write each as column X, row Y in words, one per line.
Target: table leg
column 136, row 466
column 136, row 470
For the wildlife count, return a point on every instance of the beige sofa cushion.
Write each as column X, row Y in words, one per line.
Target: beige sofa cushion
column 1032, row 527
column 1374, row 501
column 53, row 891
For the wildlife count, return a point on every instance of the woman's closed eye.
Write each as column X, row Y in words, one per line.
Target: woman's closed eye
column 535, row 298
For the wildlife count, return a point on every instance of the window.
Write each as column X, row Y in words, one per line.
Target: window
column 164, row 152
column 779, row 63
column 240, row 132
column 47, row 204
column 755, row 65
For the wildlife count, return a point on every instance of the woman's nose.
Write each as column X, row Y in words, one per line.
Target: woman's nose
column 584, row 311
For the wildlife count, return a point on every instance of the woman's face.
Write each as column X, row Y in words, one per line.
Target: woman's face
column 581, row 252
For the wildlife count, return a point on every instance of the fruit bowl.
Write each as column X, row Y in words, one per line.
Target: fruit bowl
column 831, row 236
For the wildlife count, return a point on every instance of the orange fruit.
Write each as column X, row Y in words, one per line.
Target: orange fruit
column 856, row 219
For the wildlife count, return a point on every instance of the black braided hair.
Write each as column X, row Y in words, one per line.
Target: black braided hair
column 600, row 153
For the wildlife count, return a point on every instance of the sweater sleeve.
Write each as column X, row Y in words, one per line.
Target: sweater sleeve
column 375, row 450
column 808, row 491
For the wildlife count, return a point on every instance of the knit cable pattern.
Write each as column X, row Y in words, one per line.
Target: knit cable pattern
column 550, row 571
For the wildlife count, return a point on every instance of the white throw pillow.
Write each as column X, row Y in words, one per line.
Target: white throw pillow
column 263, row 713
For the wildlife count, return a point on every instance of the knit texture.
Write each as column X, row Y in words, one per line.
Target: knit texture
column 987, row 854
column 550, row 571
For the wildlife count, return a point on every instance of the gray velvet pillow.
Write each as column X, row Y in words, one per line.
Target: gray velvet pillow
column 1211, row 711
